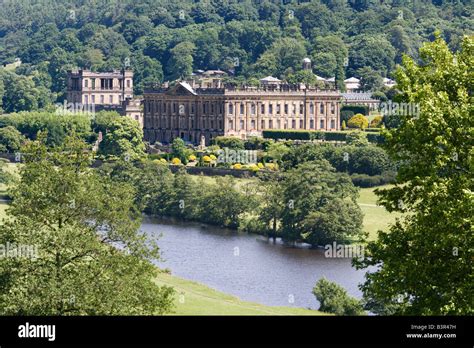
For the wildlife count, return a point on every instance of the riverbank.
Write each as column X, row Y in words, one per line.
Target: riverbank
column 197, row 299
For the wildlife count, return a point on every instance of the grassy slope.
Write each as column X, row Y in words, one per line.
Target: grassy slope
column 197, row 299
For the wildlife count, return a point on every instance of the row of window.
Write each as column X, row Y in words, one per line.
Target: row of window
column 102, row 99
column 278, row 109
column 278, row 124
column 104, row 83
column 172, row 107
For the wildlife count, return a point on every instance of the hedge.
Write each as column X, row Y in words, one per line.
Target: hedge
column 364, row 180
column 356, row 109
column 311, row 135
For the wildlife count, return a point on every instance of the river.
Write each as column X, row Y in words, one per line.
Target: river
column 249, row 266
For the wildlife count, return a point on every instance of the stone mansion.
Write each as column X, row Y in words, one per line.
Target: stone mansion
column 191, row 111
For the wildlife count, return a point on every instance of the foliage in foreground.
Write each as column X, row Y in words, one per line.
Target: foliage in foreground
column 424, row 263
column 86, row 256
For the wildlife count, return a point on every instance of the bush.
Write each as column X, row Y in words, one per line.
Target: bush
column 176, row 161
column 346, row 116
column 334, row 299
column 376, row 121
column 10, row 139
column 358, row 121
column 229, row 142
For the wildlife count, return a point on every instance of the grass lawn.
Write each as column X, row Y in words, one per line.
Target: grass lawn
column 375, row 216
column 196, row 299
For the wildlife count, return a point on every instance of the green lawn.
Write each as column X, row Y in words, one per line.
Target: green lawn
column 196, row 299
column 375, row 217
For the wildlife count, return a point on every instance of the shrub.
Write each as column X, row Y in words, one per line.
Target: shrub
column 346, row 115
column 229, row 142
column 376, row 121
column 206, row 159
column 10, row 139
column 358, row 121
column 334, row 299
column 357, row 138
column 176, row 161
column 237, row 166
column 192, row 158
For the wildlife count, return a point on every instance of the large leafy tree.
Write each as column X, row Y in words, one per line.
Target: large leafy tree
column 424, row 262
column 87, row 256
column 309, row 191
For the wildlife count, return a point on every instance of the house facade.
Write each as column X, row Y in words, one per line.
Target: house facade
column 192, row 112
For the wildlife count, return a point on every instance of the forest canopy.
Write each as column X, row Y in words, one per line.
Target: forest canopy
column 162, row 40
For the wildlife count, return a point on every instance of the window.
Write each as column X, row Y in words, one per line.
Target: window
column 270, row 109
column 278, row 109
column 192, row 108
column 262, row 124
column 311, row 108
column 102, row 99
column 262, row 109
column 242, row 124
column 212, row 108
column 252, row 124
column 241, row 108
column 252, row 109
column 333, row 124
column 286, row 108
column 311, row 124
column 321, row 124
column 270, row 124
column 106, row 83
column 128, row 83
column 321, row 108
column 293, row 124
column 174, row 108
column 212, row 124
column 93, row 99
column 278, row 124
column 231, row 109
column 301, row 109
column 86, row 99
column 86, row 83
column 231, row 125
column 301, row 124
column 111, row 99
column 136, row 117
column 220, row 124
column 333, row 108
column 93, row 83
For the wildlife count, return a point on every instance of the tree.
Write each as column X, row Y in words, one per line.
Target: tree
column 178, row 148
column 306, row 190
column 370, row 80
column 123, row 138
column 337, row 220
column 358, row 121
column 434, row 188
column 180, row 64
column 10, row 139
column 84, row 254
column 334, row 299
column 357, row 138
